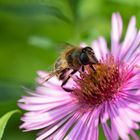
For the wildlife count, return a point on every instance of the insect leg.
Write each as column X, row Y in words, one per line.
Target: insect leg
column 83, row 68
column 66, row 80
column 62, row 75
column 93, row 68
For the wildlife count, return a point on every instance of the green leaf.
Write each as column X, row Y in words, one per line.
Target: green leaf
column 33, row 10
column 4, row 119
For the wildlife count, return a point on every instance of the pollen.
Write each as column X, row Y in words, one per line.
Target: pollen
column 96, row 87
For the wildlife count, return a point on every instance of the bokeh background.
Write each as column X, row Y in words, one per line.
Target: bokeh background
column 31, row 34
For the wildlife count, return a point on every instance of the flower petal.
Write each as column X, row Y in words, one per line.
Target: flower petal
column 103, row 46
column 116, row 33
column 107, row 131
column 121, row 127
column 134, row 49
column 96, row 47
column 53, row 129
column 129, row 38
column 62, row 132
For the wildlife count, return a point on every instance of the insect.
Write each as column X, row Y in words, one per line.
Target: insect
column 70, row 61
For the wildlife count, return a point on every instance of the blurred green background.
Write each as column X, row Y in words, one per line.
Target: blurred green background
column 31, row 32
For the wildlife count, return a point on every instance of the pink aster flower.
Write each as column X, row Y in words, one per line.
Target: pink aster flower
column 110, row 97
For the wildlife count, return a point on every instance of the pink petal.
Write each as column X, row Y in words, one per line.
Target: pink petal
column 129, row 38
column 116, row 33
column 77, row 129
column 116, row 27
column 121, row 127
column 83, row 45
column 134, row 50
column 134, row 135
column 107, row 131
column 96, row 48
column 61, row 133
column 131, row 113
column 103, row 47
column 53, row 129
column 105, row 115
column 114, row 131
column 93, row 125
column 42, row 73
column 125, row 118
column 38, row 121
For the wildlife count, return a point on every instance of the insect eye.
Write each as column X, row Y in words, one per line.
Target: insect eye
column 84, row 58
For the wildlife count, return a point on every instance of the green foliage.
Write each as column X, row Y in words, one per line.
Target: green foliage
column 31, row 33
column 4, row 119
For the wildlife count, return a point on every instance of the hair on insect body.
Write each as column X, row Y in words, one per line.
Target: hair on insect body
column 71, row 60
